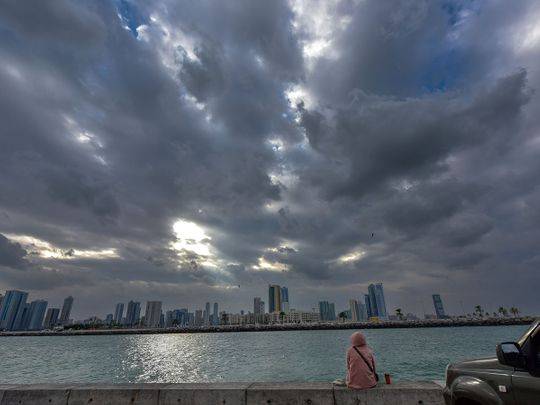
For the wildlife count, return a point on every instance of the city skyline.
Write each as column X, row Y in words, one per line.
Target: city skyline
column 17, row 314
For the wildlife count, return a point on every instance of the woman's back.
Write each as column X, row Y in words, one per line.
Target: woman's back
column 360, row 364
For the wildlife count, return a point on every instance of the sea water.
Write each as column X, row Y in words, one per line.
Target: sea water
column 412, row 354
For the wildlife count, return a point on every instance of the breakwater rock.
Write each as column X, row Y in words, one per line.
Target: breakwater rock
column 438, row 323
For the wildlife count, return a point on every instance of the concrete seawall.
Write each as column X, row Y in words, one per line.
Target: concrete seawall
column 424, row 393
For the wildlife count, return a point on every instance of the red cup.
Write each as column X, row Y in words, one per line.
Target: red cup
column 387, row 378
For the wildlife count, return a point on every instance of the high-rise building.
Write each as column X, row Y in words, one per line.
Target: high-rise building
column 169, row 319
column 258, row 306
column 331, row 312
column 198, row 318
column 133, row 313
column 377, row 301
column 184, row 317
column 118, row 313
column 22, row 319
column 109, row 319
column 207, row 314
column 362, row 312
column 66, row 311
column 353, row 307
column 51, row 318
column 190, row 319
column 36, row 314
column 285, row 300
column 12, row 308
column 152, row 316
column 327, row 311
column 439, row 308
column 274, row 298
column 215, row 314
column 176, row 317
column 369, row 309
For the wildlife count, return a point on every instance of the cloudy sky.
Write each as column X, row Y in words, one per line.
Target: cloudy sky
column 192, row 151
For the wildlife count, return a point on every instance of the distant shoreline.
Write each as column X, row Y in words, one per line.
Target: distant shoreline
column 439, row 323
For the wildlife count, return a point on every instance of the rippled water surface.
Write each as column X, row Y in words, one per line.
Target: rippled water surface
column 248, row 356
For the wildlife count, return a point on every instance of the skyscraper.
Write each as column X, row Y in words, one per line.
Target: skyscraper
column 118, row 313
column 327, row 311
column 198, row 318
column 66, row 311
column 274, row 298
column 258, row 306
column 376, row 300
column 362, row 312
column 285, row 299
column 36, row 314
column 439, row 308
column 169, row 319
column 372, row 300
column 152, row 316
column 133, row 313
column 215, row 314
column 331, row 312
column 353, row 307
column 184, row 316
column 51, row 318
column 13, row 304
column 207, row 314
column 369, row 310
column 176, row 317
column 22, row 318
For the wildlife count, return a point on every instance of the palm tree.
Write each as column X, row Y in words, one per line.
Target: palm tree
column 479, row 311
column 503, row 311
column 342, row 316
column 399, row 314
column 281, row 316
column 514, row 311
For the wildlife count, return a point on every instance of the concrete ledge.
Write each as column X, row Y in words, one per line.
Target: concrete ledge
column 212, row 393
column 136, row 394
column 425, row 393
column 36, row 394
column 290, row 393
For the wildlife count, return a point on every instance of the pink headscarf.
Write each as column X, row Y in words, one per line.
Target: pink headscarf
column 358, row 339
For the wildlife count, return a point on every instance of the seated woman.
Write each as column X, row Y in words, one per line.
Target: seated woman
column 361, row 372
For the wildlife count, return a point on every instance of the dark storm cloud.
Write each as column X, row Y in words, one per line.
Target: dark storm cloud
column 11, row 254
column 377, row 139
column 73, row 189
column 409, row 157
column 60, row 21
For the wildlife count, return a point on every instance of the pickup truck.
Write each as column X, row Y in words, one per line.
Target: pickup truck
column 510, row 378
